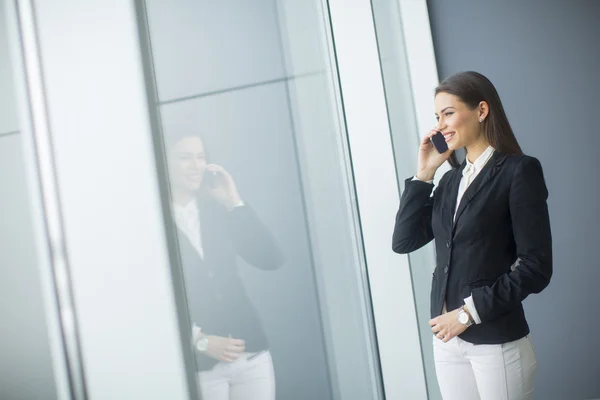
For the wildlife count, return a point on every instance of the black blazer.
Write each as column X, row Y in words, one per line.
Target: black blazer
column 217, row 300
column 502, row 217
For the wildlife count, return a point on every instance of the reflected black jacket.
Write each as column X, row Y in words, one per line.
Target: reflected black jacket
column 502, row 217
column 217, row 300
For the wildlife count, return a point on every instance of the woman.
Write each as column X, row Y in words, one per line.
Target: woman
column 489, row 219
column 214, row 227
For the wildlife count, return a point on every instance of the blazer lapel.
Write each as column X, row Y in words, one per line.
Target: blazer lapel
column 450, row 205
column 486, row 174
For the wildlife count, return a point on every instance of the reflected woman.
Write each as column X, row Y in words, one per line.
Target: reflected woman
column 214, row 227
column 489, row 219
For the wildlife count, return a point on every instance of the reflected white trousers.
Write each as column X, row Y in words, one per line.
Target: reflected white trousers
column 466, row 371
column 241, row 380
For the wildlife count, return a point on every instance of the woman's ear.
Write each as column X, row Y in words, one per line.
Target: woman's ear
column 484, row 110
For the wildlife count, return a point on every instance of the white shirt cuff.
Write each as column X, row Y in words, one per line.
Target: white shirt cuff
column 472, row 310
column 196, row 332
column 417, row 179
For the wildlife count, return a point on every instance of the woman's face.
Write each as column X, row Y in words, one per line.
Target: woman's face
column 459, row 124
column 187, row 163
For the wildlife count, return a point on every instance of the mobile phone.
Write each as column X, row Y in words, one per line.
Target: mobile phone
column 439, row 142
column 212, row 179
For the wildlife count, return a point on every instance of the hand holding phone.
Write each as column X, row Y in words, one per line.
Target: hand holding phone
column 212, row 179
column 221, row 186
column 439, row 142
column 429, row 159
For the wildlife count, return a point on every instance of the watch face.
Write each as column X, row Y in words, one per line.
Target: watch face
column 463, row 318
column 202, row 344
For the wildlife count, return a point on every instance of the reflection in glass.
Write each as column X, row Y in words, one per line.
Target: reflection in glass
column 215, row 225
column 262, row 200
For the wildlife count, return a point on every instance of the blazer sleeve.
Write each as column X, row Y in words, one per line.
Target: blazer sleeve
column 533, row 239
column 252, row 239
column 413, row 220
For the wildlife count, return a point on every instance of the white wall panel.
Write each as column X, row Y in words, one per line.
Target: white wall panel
column 97, row 138
column 8, row 109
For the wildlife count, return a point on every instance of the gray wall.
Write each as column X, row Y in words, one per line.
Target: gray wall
column 544, row 58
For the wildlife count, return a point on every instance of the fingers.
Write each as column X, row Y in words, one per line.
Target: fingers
column 440, row 331
column 433, row 321
column 442, row 334
column 445, row 336
column 236, row 346
column 230, row 356
column 427, row 138
column 237, row 342
column 217, row 169
column 235, row 349
column 214, row 168
column 432, row 132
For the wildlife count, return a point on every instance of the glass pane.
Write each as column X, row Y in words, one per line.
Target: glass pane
column 26, row 367
column 263, row 199
column 405, row 140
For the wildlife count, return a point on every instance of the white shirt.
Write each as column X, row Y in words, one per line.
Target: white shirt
column 187, row 220
column 469, row 173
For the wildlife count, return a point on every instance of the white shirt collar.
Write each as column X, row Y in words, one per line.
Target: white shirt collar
column 190, row 208
column 478, row 164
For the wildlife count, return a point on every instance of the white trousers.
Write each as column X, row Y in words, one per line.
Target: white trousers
column 243, row 379
column 467, row 371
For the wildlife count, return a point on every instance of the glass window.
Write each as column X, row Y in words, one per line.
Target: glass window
column 262, row 199
column 26, row 366
column 405, row 140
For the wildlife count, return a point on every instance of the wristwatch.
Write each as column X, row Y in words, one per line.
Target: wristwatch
column 464, row 317
column 202, row 343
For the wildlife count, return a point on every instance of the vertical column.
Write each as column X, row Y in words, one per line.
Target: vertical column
column 378, row 197
column 89, row 119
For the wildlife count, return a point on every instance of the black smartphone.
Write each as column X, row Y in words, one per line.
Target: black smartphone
column 439, row 142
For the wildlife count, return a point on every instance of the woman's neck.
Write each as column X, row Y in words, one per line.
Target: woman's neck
column 183, row 197
column 476, row 149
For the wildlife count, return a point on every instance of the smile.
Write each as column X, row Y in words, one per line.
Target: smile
column 448, row 136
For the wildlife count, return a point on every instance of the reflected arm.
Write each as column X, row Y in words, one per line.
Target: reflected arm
column 252, row 240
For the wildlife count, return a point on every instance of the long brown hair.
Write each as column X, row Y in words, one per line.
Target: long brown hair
column 472, row 88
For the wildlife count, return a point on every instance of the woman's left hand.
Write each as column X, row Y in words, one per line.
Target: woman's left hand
column 446, row 326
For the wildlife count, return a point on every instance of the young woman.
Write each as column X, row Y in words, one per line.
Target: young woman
column 489, row 219
column 214, row 227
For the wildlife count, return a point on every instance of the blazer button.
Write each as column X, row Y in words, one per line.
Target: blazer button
column 446, row 269
column 448, row 244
